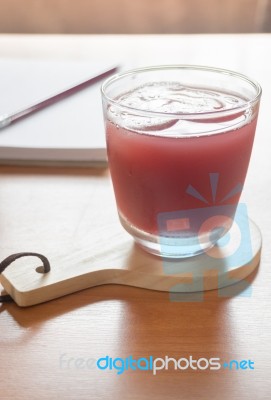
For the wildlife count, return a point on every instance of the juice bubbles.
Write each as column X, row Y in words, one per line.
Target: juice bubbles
column 176, row 161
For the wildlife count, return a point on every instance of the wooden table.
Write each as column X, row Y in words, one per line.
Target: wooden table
column 36, row 342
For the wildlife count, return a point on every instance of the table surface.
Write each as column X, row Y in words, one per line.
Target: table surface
column 40, row 346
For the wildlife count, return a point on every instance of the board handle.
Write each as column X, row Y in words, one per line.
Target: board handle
column 10, row 259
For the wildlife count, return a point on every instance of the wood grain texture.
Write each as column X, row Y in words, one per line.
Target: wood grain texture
column 126, row 16
column 114, row 321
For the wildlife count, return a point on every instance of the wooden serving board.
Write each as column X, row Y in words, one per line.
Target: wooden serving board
column 71, row 218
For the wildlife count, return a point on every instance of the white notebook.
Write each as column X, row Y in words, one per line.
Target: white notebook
column 70, row 131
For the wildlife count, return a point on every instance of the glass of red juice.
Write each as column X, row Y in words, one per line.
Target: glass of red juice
column 179, row 140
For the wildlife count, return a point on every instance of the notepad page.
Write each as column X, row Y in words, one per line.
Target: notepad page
column 74, row 124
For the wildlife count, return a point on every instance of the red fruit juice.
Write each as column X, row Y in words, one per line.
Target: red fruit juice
column 152, row 168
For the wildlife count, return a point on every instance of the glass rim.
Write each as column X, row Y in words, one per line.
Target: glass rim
column 206, row 114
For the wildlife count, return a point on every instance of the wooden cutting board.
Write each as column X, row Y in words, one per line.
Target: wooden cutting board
column 70, row 216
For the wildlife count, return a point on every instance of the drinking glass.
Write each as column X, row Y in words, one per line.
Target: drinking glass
column 179, row 140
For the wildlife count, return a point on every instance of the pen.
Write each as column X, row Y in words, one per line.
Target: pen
column 7, row 119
